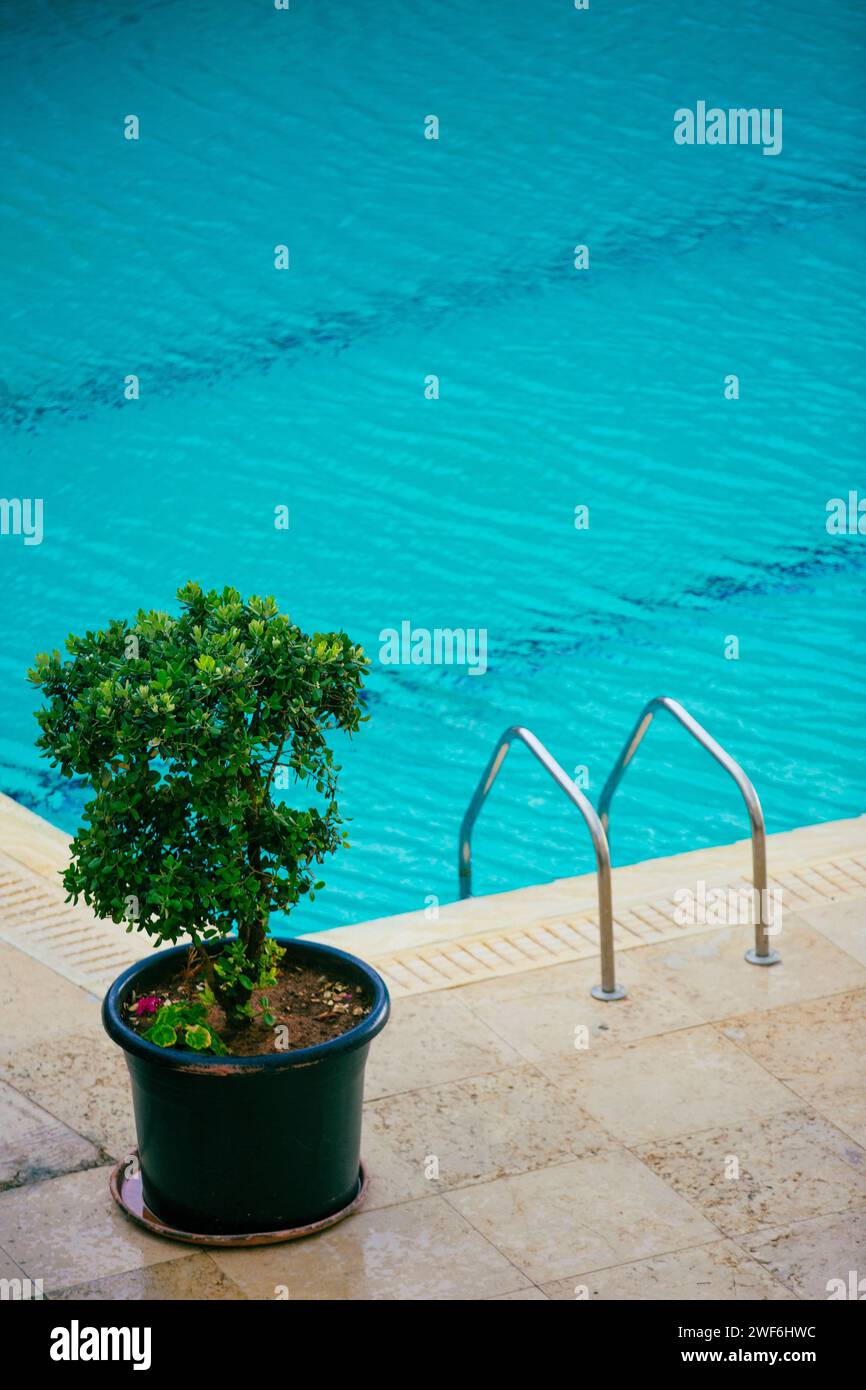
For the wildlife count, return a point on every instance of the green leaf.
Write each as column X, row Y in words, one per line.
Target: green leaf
column 198, row 1037
column 162, row 1034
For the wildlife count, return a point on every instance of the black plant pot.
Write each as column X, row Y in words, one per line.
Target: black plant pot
column 236, row 1145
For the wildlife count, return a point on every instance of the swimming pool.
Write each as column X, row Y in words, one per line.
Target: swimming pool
column 558, row 389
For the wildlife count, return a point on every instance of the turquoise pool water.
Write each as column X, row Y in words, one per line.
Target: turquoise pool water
column 558, row 388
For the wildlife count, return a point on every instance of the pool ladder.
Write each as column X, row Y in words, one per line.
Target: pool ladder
column 597, row 823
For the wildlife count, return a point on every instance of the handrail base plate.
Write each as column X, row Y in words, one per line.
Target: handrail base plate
column 773, row 958
column 608, row 995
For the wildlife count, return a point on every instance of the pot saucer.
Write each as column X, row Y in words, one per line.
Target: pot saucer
column 127, row 1192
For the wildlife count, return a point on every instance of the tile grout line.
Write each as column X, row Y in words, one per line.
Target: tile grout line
column 472, row 1226
column 804, row 1102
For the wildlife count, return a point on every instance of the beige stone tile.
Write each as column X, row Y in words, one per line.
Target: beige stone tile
column 809, row 1256
column 721, row 1271
column 595, row 1211
column 844, row 1106
column 8, row 1268
column 709, row 972
column 190, row 1277
column 791, row 1166
column 661, row 1087
column 817, row 1049
column 550, row 1012
column 471, row 1131
column 37, row 1004
column 843, row 923
column 803, row 1044
column 525, row 1296
column 69, row 1231
column 430, row 1039
column 82, row 1079
column 34, row 1145
column 423, row 1250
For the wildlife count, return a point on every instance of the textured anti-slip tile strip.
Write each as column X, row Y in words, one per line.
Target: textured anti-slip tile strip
column 446, row 964
column 35, row 917
column 90, row 952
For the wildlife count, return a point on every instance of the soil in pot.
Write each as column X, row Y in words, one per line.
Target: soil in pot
column 308, row 1007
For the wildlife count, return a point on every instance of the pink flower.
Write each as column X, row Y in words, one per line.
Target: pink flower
column 148, row 1005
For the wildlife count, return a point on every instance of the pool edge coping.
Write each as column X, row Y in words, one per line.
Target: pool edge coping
column 42, row 849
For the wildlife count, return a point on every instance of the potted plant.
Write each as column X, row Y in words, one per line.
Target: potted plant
column 246, row 1050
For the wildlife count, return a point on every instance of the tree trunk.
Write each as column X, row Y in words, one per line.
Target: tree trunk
column 253, row 937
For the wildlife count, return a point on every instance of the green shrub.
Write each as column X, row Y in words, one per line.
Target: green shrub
column 180, row 724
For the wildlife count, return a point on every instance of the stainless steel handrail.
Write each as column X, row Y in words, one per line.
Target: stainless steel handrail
column 608, row 989
column 760, row 954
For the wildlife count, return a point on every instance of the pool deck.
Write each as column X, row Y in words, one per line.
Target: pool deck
column 703, row 1139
